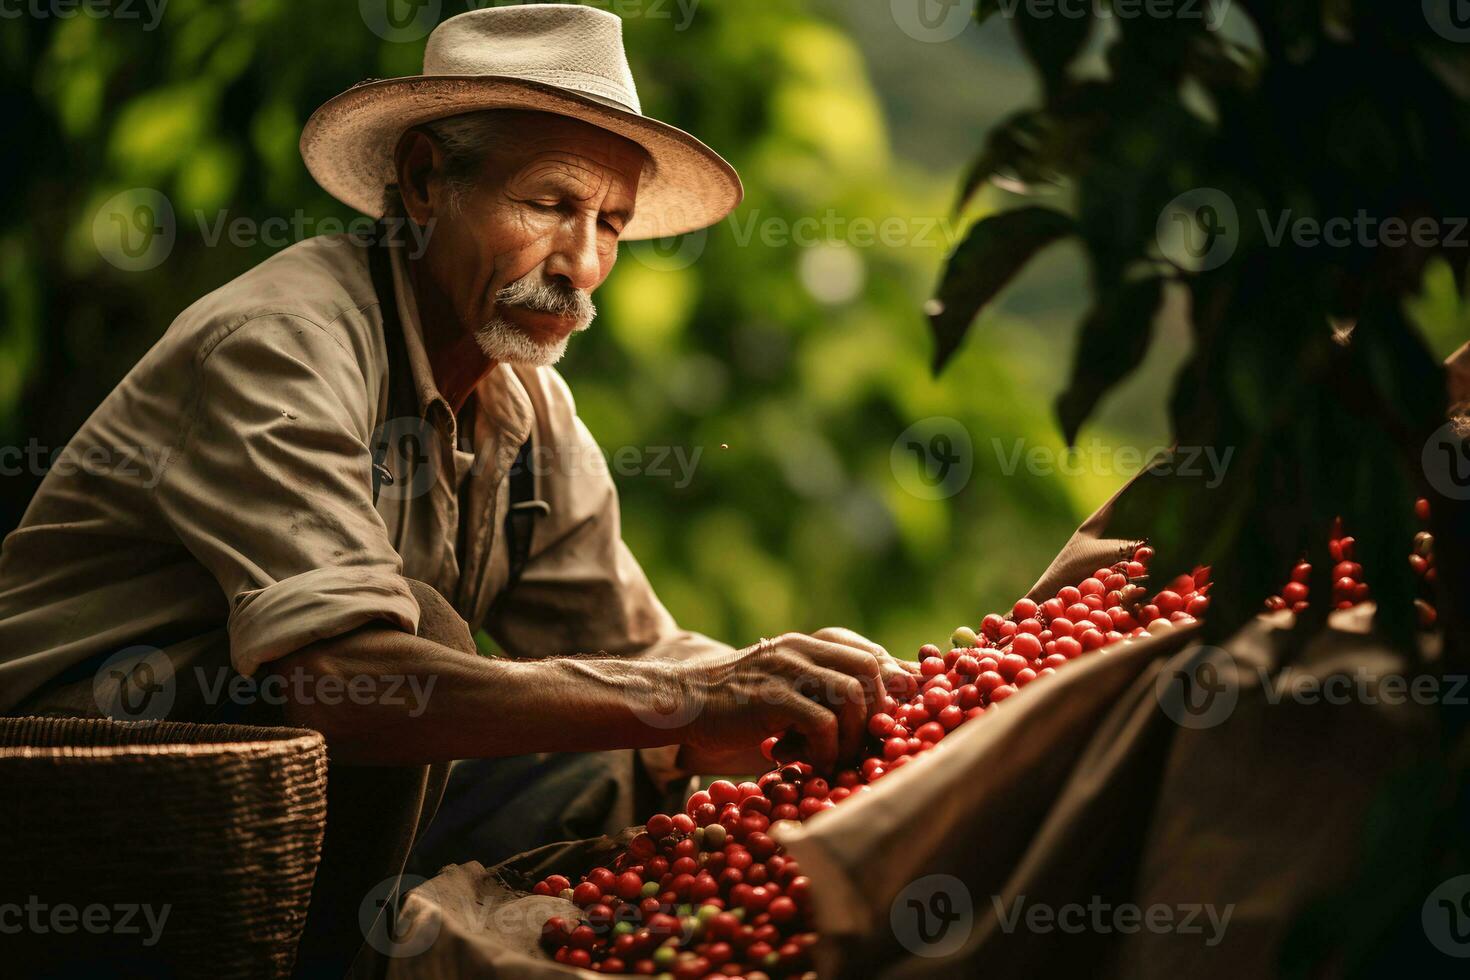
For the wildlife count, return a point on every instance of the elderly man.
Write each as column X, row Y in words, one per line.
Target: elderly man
column 366, row 457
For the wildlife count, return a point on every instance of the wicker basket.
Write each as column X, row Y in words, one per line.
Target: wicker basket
column 216, row 827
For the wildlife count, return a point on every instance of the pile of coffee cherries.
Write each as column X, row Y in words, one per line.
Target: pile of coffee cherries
column 708, row 893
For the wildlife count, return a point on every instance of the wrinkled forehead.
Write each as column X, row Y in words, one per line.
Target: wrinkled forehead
column 541, row 145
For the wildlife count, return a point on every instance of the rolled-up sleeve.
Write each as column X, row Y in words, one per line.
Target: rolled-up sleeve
column 270, row 488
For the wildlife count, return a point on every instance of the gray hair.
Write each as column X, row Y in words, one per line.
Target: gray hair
column 467, row 140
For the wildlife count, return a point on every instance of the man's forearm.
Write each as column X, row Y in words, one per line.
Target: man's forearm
column 471, row 706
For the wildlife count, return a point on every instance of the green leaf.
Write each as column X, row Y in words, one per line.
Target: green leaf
column 993, row 252
column 1114, row 339
column 1016, row 146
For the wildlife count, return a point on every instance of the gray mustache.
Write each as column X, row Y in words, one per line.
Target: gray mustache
column 555, row 298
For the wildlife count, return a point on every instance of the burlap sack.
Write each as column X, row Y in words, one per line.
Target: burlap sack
column 469, row 921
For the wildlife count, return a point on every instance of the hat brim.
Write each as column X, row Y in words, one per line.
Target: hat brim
column 348, row 145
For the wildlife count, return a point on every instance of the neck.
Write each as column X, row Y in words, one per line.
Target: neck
column 455, row 358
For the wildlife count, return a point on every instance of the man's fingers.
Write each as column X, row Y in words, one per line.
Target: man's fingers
column 849, row 660
column 901, row 677
column 818, row 727
column 836, row 634
column 847, row 698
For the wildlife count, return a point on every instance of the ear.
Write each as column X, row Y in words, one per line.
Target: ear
column 417, row 161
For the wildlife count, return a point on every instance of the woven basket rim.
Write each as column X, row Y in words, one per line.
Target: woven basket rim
column 256, row 740
column 300, row 743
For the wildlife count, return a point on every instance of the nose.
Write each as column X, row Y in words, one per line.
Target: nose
column 575, row 259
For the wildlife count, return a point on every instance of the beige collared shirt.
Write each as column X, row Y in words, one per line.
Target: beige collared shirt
column 220, row 498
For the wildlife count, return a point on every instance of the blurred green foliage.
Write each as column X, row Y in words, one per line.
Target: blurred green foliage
column 1306, row 361
column 806, row 359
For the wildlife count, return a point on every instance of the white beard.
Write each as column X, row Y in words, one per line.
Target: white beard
column 503, row 343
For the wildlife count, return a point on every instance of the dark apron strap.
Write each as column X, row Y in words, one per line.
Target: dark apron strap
column 401, row 399
column 520, row 519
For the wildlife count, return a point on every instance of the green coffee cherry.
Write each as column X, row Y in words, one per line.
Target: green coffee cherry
column 964, row 637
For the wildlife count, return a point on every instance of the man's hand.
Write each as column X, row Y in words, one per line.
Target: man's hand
column 822, row 687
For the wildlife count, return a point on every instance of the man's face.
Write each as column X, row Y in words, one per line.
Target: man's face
column 517, row 254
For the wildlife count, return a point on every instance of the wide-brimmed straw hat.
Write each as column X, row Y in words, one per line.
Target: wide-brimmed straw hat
column 560, row 58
